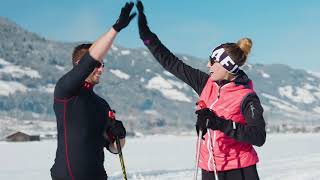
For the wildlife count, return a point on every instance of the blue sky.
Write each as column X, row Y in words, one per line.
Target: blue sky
column 285, row 32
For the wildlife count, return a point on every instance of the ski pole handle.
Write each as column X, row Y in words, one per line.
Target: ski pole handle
column 201, row 104
column 112, row 116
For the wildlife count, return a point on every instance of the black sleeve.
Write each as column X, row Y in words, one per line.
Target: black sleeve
column 253, row 132
column 193, row 77
column 68, row 84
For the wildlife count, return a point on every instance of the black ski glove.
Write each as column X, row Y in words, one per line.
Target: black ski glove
column 117, row 129
column 206, row 119
column 125, row 17
column 144, row 30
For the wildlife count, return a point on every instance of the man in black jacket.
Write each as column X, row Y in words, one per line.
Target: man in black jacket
column 84, row 127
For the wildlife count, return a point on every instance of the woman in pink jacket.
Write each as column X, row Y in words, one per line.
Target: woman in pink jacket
column 232, row 121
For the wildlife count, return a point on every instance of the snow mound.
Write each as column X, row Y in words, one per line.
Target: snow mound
column 300, row 95
column 120, row 74
column 10, row 87
column 17, row 71
column 125, row 52
column 166, row 87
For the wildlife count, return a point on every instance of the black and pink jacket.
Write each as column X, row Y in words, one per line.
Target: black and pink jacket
column 238, row 106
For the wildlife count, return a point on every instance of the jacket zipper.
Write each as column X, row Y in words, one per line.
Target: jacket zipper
column 214, row 137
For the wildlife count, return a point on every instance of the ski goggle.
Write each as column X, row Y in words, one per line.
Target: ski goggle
column 101, row 65
column 212, row 61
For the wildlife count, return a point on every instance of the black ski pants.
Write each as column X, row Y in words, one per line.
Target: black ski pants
column 102, row 178
column 247, row 173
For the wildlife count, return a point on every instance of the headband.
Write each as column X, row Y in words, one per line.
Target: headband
column 221, row 56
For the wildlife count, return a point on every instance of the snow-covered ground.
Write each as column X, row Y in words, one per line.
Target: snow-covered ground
column 164, row 157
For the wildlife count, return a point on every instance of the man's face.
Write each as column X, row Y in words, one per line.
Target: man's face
column 94, row 77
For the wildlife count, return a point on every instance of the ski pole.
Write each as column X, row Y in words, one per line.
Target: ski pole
column 123, row 167
column 214, row 165
column 198, row 155
column 201, row 105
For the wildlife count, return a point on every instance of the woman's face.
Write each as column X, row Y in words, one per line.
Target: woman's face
column 217, row 71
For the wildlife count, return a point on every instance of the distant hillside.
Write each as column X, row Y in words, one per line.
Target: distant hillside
column 146, row 97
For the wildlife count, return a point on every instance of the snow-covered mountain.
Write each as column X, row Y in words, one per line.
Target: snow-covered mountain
column 146, row 97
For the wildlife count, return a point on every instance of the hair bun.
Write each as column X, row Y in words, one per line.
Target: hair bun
column 245, row 45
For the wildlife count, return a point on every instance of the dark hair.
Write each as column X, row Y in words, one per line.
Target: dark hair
column 239, row 51
column 79, row 51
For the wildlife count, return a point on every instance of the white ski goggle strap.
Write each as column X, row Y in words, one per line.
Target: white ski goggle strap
column 220, row 55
